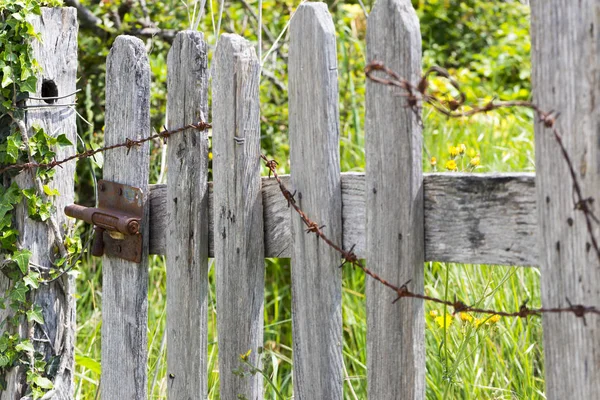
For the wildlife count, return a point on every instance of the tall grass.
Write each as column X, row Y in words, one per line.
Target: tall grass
column 467, row 357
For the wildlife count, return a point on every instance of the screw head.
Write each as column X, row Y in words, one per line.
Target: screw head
column 133, row 227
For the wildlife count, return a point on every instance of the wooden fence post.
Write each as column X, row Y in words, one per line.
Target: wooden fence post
column 315, row 170
column 187, row 221
column 56, row 53
column 394, row 203
column 125, row 284
column 238, row 239
column 566, row 60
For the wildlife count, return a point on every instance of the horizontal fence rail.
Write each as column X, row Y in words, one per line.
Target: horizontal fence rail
column 469, row 218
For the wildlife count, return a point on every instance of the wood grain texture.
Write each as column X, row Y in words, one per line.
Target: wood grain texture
column 238, row 217
column 504, row 204
column 481, row 218
column 187, row 213
column 56, row 53
column 125, row 284
column 566, row 57
column 394, row 203
column 315, row 172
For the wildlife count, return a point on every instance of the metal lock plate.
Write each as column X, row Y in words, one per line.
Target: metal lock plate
column 124, row 200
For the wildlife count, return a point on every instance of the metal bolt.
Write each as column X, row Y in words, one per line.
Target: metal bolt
column 133, row 227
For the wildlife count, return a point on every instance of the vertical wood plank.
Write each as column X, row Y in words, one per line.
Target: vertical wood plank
column 394, row 204
column 238, row 242
column 125, row 284
column 56, row 53
column 315, row 172
column 187, row 221
column 565, row 78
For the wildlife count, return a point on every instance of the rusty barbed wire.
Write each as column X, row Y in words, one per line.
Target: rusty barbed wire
column 128, row 143
column 349, row 257
column 415, row 96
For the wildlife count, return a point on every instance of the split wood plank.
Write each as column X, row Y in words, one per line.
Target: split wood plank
column 238, row 220
column 395, row 247
column 565, row 59
column 187, row 211
column 125, row 283
column 315, row 177
column 499, row 210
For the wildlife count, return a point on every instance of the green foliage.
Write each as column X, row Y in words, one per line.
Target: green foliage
column 18, row 70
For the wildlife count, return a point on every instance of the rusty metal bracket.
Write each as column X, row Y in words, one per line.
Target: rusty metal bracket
column 116, row 220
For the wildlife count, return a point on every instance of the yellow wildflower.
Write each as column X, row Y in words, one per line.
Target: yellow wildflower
column 433, row 313
column 466, row 317
column 210, row 156
column 493, row 319
column 461, row 148
column 479, row 321
column 475, row 161
column 433, row 161
column 444, row 320
column 454, row 151
column 451, row 165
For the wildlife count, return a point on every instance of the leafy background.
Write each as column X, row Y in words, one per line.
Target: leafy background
column 484, row 44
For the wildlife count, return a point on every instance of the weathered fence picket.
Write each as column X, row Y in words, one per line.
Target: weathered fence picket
column 238, row 220
column 57, row 55
column 565, row 57
column 315, row 173
column 187, row 207
column 125, row 283
column 394, row 204
column 395, row 215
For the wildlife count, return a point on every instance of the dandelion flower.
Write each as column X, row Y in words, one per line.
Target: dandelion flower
column 475, row 161
column 466, row 317
column 454, row 151
column 461, row 148
column 451, row 165
column 433, row 313
column 433, row 161
column 444, row 320
column 493, row 319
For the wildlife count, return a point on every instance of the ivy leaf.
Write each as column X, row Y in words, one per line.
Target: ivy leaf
column 36, row 315
column 25, row 345
column 50, row 192
column 62, row 140
column 29, row 84
column 43, row 383
column 18, row 292
column 7, row 74
column 32, row 280
column 21, row 257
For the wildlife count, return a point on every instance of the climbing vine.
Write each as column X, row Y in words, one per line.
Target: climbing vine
column 18, row 78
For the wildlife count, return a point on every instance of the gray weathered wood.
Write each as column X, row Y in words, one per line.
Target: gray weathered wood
column 394, row 204
column 504, row 204
column 315, row 172
column 566, row 59
column 239, row 248
column 56, row 53
column 125, row 284
column 481, row 218
column 187, row 231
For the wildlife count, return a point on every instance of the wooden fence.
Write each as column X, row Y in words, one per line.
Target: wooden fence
column 396, row 216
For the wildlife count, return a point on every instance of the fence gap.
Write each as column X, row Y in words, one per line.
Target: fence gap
column 187, row 213
column 565, row 56
column 238, row 216
column 315, row 169
column 125, row 284
column 394, row 204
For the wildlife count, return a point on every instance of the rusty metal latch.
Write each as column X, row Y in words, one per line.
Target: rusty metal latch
column 116, row 220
